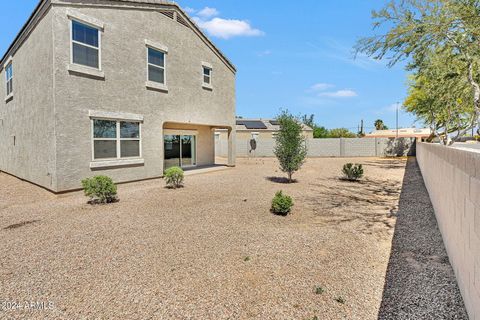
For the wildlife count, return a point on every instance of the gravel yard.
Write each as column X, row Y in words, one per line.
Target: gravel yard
column 211, row 250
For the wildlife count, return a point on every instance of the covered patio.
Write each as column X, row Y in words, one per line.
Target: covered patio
column 192, row 146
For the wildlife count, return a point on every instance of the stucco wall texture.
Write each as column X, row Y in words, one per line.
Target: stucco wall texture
column 59, row 149
column 452, row 178
column 27, row 121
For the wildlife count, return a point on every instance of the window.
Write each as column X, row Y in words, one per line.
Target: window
column 85, row 45
column 207, row 75
column 156, row 65
column 115, row 139
column 9, row 78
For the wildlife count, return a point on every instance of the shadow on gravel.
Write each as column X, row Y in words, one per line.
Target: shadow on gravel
column 19, row 225
column 420, row 282
column 280, row 180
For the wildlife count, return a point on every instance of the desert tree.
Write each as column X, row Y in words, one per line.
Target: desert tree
column 440, row 97
column 290, row 147
column 419, row 29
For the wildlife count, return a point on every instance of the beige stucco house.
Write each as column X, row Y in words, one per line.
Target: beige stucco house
column 420, row 134
column 118, row 88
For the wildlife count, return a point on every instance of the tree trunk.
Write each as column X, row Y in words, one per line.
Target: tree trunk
column 289, row 177
column 476, row 92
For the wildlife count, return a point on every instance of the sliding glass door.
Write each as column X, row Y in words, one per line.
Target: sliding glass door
column 180, row 150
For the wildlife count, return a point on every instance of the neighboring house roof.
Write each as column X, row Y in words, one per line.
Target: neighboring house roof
column 42, row 5
column 403, row 133
column 262, row 125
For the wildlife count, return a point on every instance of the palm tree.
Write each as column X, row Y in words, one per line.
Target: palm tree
column 379, row 125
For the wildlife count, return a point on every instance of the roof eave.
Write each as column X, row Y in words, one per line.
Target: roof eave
column 197, row 29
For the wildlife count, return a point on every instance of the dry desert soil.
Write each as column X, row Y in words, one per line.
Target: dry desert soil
column 210, row 250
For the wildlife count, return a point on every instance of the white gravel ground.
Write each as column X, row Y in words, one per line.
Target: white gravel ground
column 211, row 250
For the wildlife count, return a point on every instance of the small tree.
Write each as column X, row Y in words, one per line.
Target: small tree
column 341, row 133
column 320, row 132
column 290, row 148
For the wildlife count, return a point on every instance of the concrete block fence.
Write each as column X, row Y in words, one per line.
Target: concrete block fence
column 452, row 178
column 348, row 147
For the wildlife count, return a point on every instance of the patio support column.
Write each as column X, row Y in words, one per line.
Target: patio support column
column 231, row 147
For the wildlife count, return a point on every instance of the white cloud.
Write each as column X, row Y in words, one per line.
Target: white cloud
column 227, row 28
column 208, row 12
column 321, row 86
column 339, row 94
column 189, row 10
column 264, row 53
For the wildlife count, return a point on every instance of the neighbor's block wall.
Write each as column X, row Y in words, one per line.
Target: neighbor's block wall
column 333, row 147
column 452, row 178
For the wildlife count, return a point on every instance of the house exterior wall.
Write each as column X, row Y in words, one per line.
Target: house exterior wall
column 29, row 117
column 49, row 113
column 124, row 63
column 452, row 178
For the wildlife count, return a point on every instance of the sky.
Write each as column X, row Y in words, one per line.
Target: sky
column 292, row 55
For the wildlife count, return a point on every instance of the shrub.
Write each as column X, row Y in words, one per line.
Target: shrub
column 352, row 172
column 319, row 290
column 174, row 177
column 100, row 189
column 340, row 300
column 281, row 204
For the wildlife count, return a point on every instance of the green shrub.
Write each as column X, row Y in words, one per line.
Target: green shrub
column 174, row 177
column 352, row 172
column 340, row 300
column 100, row 189
column 281, row 204
column 319, row 290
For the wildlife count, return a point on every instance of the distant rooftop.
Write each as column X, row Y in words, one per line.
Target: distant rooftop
column 402, row 132
column 262, row 124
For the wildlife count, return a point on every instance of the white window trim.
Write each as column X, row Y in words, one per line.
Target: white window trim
column 118, row 160
column 205, row 85
column 80, row 68
column 152, row 84
column 116, row 163
column 7, row 64
column 108, row 115
column 80, row 17
column 156, row 46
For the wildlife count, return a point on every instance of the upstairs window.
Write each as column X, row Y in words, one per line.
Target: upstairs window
column 156, row 66
column 9, row 78
column 207, row 76
column 116, row 139
column 85, row 45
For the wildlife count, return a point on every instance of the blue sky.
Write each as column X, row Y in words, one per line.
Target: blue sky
column 289, row 55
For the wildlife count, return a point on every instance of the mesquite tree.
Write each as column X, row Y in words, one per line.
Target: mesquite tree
column 423, row 29
column 290, row 148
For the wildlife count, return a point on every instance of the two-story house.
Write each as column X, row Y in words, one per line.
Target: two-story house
column 118, row 88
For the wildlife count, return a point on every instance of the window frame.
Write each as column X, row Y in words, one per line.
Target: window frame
column 9, row 80
column 118, row 139
column 165, row 54
column 204, row 67
column 99, row 33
